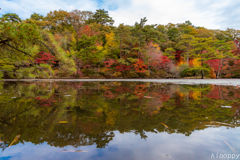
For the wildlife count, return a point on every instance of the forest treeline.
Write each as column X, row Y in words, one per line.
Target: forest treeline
column 83, row 44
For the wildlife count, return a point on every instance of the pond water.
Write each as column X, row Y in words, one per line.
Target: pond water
column 118, row 120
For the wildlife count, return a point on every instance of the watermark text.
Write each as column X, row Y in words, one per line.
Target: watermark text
column 224, row 156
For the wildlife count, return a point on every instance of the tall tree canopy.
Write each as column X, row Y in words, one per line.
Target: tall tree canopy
column 101, row 16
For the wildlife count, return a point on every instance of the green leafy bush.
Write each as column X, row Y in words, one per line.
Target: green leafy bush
column 25, row 73
column 45, row 71
column 1, row 74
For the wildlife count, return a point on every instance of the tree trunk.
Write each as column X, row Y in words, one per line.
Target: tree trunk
column 148, row 67
column 219, row 92
column 202, row 74
column 218, row 72
column 139, row 46
column 3, row 41
column 221, row 68
column 120, row 46
column 202, row 70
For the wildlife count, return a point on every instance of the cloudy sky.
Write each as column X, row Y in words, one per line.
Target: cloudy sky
column 212, row 14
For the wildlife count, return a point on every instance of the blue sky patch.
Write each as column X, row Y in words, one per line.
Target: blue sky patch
column 214, row 14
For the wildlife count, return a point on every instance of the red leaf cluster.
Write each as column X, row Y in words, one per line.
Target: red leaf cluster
column 214, row 94
column 109, row 63
column 126, row 68
column 44, row 58
column 87, row 31
column 140, row 90
column 214, row 63
column 45, row 102
column 140, row 67
column 123, row 68
column 237, row 43
column 119, row 68
column 109, row 94
column 123, row 89
column 87, row 66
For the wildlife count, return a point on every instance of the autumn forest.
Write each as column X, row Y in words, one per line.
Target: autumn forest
column 83, row 44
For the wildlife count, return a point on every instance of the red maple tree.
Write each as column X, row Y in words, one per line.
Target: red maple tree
column 45, row 58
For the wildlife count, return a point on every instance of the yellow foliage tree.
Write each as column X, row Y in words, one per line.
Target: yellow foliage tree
column 110, row 40
column 181, row 63
column 110, row 43
column 195, row 95
column 195, row 62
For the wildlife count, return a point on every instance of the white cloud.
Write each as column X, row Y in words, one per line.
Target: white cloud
column 172, row 11
column 210, row 14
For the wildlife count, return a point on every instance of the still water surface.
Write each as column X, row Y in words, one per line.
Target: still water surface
column 118, row 120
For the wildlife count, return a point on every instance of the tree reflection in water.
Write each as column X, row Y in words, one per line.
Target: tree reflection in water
column 92, row 111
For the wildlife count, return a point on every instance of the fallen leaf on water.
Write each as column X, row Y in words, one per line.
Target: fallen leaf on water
column 15, row 139
column 73, row 150
column 148, row 97
column 63, row 122
column 168, row 156
column 165, row 125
